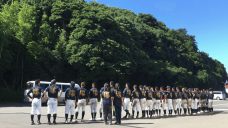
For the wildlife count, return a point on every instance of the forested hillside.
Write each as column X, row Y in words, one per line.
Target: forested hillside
column 76, row 40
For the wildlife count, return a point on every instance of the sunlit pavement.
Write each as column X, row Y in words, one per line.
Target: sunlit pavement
column 17, row 116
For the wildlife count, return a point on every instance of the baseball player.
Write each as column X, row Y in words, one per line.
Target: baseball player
column 117, row 102
column 184, row 100
column 93, row 94
column 210, row 101
column 179, row 100
column 135, row 101
column 71, row 100
column 52, row 103
column 101, row 102
column 82, row 99
column 164, row 103
column 170, row 100
column 174, row 96
column 158, row 102
column 142, row 100
column 195, row 101
column 107, row 104
column 149, row 97
column 127, row 100
column 189, row 101
column 154, row 102
column 36, row 101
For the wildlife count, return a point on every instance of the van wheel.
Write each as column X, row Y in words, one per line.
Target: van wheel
column 217, row 98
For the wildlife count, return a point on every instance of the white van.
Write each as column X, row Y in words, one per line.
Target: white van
column 219, row 95
column 44, row 85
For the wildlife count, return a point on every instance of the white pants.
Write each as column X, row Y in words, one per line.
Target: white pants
column 195, row 104
column 136, row 105
column 178, row 103
column 150, row 104
column 36, row 106
column 143, row 103
column 158, row 104
column 93, row 105
column 52, row 106
column 81, row 105
column 164, row 105
column 101, row 106
column 126, row 103
column 170, row 104
column 189, row 103
column 210, row 103
column 174, row 104
column 184, row 103
column 154, row 103
column 70, row 107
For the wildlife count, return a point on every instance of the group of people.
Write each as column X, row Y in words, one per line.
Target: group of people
column 151, row 101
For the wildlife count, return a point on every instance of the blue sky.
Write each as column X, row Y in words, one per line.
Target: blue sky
column 207, row 20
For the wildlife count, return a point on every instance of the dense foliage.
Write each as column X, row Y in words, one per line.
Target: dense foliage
column 76, row 40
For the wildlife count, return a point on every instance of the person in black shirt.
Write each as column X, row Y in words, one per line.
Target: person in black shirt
column 82, row 98
column 93, row 94
column 36, row 101
column 71, row 101
column 52, row 103
column 170, row 100
column 179, row 100
column 107, row 104
column 149, row 97
column 184, row 100
column 210, row 101
column 142, row 99
column 117, row 102
column 127, row 100
column 174, row 97
column 189, row 93
column 135, row 101
column 101, row 103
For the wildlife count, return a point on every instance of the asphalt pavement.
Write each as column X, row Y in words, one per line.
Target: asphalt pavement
column 18, row 116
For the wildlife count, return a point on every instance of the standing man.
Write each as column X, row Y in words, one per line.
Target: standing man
column 36, row 101
column 93, row 94
column 127, row 100
column 184, row 100
column 52, row 103
column 101, row 102
column 82, row 98
column 149, row 97
column 142, row 100
column 179, row 100
column 174, row 96
column 210, row 101
column 107, row 104
column 170, row 100
column 71, row 100
column 135, row 101
column 158, row 102
column 189, row 101
column 118, row 102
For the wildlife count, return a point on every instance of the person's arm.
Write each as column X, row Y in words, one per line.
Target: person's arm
column 60, row 92
column 66, row 92
column 45, row 92
column 28, row 94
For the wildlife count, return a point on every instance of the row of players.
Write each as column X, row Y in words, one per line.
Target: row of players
column 150, row 101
